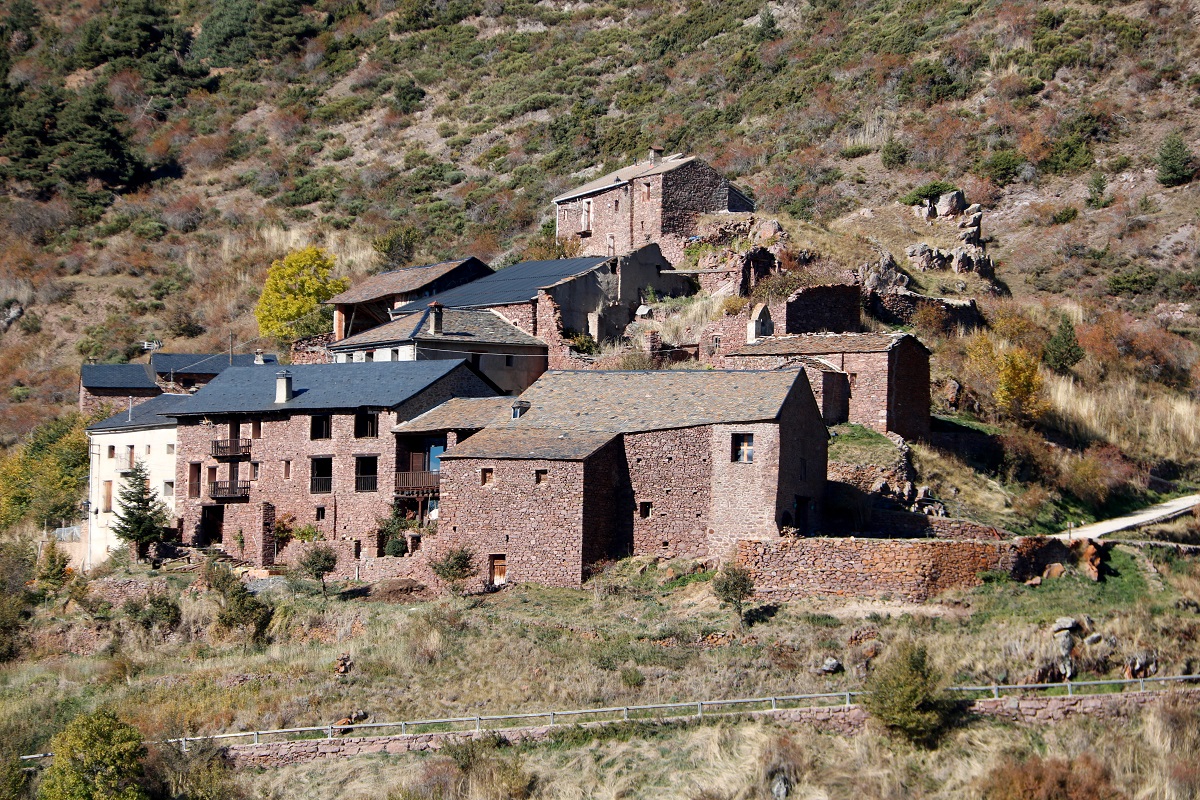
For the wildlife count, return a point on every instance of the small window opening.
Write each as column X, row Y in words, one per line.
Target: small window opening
column 508, row 361
column 170, row 449
column 366, row 425
column 320, row 513
column 321, row 427
column 256, row 429
column 168, row 489
column 193, row 480
column 742, row 449
column 112, row 451
column 540, row 475
column 486, row 476
column 645, row 509
column 287, row 470
column 253, row 470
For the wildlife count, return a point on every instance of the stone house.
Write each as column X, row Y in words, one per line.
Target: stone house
column 369, row 302
column 138, row 434
column 312, row 442
column 596, row 295
column 502, row 352
column 656, row 201
column 117, row 385
column 886, row 374
column 591, row 465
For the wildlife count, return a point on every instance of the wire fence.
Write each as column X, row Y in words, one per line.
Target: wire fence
column 699, row 709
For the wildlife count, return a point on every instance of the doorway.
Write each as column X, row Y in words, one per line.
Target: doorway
column 212, row 525
column 497, row 570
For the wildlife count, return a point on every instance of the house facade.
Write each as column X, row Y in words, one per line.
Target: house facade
column 313, row 443
column 593, row 465
column 502, row 352
column 653, row 202
column 887, row 374
column 369, row 302
column 137, row 435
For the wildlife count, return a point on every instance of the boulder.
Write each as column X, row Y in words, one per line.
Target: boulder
column 1036, row 580
column 831, row 666
column 1054, row 570
column 974, row 208
column 971, row 221
column 1093, row 640
column 1141, row 665
column 1064, row 624
column 768, row 231
column 951, row 204
column 924, row 211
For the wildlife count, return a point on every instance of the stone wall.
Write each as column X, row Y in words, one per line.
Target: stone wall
column 899, row 308
column 670, row 472
column 836, row 308
column 908, row 377
column 843, row 719
column 112, row 400
column 901, row 524
column 523, row 315
column 369, row 567
column 312, row 349
column 907, row 569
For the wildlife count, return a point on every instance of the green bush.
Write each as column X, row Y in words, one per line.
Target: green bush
column 894, row 154
column 157, row 611
column 396, row 546
column 1063, row 350
column 96, row 757
column 1176, row 165
column 904, row 694
column 632, row 677
column 733, row 586
column 1001, row 167
column 1064, row 215
column 929, row 191
column 855, row 151
column 455, row 566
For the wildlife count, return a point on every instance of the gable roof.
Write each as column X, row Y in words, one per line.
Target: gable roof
column 117, row 376
column 624, row 175
column 817, row 344
column 144, row 415
column 458, row 325
column 400, row 281
column 459, row 414
column 572, row 414
column 319, row 387
column 516, row 284
column 204, row 363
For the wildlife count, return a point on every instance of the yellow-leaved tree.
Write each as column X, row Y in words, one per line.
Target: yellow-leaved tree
column 290, row 304
column 1019, row 387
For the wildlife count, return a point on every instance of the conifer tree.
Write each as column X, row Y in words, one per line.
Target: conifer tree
column 1063, row 350
column 1176, row 166
column 141, row 516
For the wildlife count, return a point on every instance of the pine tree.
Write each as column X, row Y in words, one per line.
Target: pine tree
column 141, row 516
column 1063, row 350
column 1176, row 166
column 296, row 286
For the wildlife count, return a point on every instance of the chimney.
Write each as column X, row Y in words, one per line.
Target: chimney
column 435, row 318
column 656, row 151
column 283, row 386
column 258, row 357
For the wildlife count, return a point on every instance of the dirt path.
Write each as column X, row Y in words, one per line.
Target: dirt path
column 1147, row 516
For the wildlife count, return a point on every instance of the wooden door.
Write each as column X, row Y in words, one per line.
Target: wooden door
column 498, row 570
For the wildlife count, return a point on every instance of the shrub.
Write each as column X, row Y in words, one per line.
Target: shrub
column 1001, row 167
column 894, row 154
column 1019, row 386
column 904, row 694
column 454, row 567
column 295, row 288
column 582, row 343
column 1176, row 165
column 396, row 546
column 927, row 192
column 732, row 306
column 1097, row 191
column 1063, row 350
column 855, row 151
column 53, row 569
column 95, row 757
column 931, row 320
column 159, row 610
column 632, row 677
column 319, row 561
column 1081, row 778
column 733, row 586
column 1064, row 215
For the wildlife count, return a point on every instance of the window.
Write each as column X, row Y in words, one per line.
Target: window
column 742, row 450
column 616, row 204
column 508, row 361
column 320, row 475
column 212, row 475
column 171, row 449
column 253, row 470
column 541, row 475
column 802, row 469
column 645, row 509
column 853, row 380
column 320, row 513
column 369, row 356
column 287, row 470
column 129, row 454
column 612, row 245
column 193, row 480
column 366, row 473
column 645, row 194
column 147, row 449
column 486, row 476
column 112, row 451
column 256, row 429
column 321, row 427
column 396, row 354
column 168, row 489
column 107, row 506
column 366, row 425
column 585, row 218
column 715, row 346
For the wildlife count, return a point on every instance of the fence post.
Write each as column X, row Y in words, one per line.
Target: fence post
column 329, row 731
column 403, row 728
column 477, row 724
column 773, row 706
column 625, row 713
column 847, row 698
column 1141, row 684
column 996, row 691
column 700, row 710
column 256, row 737
column 1070, row 690
column 551, row 717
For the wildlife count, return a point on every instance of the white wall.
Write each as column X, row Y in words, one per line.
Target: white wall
column 160, row 460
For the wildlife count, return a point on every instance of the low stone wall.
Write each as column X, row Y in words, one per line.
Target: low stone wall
column 899, row 308
column 845, row 720
column 902, row 524
column 907, row 569
column 368, row 568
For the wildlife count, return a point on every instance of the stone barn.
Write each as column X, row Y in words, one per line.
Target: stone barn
column 592, row 465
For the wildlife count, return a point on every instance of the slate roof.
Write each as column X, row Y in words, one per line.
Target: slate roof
column 459, row 414
column 117, row 376
column 319, row 387
column 397, row 281
column 203, row 363
column 144, row 415
column 516, row 284
column 816, row 344
column 624, row 175
column 572, row 414
column 461, row 326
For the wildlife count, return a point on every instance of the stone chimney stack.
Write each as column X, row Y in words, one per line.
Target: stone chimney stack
column 435, row 318
column 258, row 357
column 283, row 386
column 656, row 151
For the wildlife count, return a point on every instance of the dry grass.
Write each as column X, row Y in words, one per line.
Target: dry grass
column 1124, row 413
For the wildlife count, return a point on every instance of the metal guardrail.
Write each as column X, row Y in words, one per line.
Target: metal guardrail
column 676, row 711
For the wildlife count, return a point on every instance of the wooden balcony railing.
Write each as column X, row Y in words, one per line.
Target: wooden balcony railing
column 366, row 483
column 320, row 485
column 229, row 489
column 230, row 448
column 418, row 484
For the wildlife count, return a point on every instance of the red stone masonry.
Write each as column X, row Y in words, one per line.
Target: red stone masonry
column 115, row 400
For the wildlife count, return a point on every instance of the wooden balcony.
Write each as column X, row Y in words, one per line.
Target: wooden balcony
column 225, row 489
column 230, row 448
column 317, row 485
column 418, row 484
column 366, row 483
